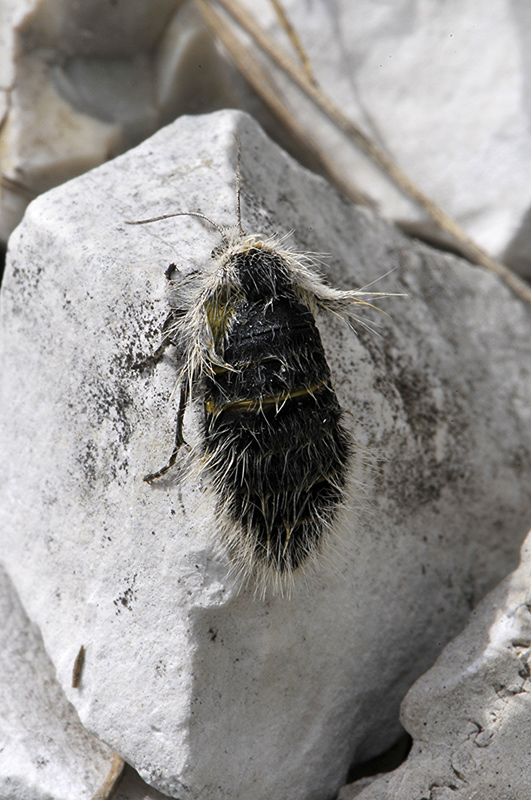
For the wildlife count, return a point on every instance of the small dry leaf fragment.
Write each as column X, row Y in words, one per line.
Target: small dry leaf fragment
column 78, row 667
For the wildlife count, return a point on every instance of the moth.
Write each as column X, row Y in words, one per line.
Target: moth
column 274, row 445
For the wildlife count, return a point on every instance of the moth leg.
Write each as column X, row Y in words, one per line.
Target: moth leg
column 167, row 340
column 155, row 357
column 179, row 439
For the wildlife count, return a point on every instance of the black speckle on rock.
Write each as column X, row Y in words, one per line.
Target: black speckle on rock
column 127, row 597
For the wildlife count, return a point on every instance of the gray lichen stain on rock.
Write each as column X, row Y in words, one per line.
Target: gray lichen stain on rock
column 437, row 443
column 420, row 408
column 107, row 411
column 431, row 423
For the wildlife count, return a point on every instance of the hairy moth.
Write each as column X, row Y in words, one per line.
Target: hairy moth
column 274, row 446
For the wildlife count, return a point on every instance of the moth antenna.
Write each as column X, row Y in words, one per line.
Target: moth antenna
column 181, row 214
column 381, row 277
column 239, row 186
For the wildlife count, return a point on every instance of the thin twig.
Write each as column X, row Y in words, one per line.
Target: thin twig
column 378, row 156
column 295, row 40
column 114, row 776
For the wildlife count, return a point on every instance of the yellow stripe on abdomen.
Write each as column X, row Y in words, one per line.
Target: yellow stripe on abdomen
column 254, row 405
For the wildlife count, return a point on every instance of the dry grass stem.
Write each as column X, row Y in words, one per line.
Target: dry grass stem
column 295, row 40
column 110, row 784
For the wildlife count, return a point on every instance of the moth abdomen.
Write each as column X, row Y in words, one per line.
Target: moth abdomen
column 274, row 442
column 272, row 350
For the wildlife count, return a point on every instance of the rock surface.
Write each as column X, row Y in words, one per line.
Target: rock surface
column 208, row 692
column 44, row 750
column 470, row 715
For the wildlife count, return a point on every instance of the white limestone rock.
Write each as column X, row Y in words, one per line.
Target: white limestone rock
column 207, row 692
column 470, row 715
column 45, row 753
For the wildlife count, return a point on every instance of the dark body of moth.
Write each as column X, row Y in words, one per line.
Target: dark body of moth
column 273, row 442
